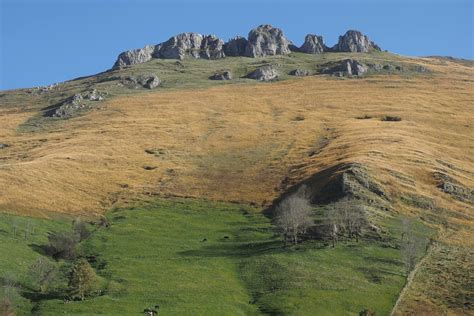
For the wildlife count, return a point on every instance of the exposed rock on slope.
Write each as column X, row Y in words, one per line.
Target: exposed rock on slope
column 224, row 75
column 149, row 81
column 313, row 44
column 135, row 56
column 235, row 46
column 355, row 42
column 76, row 103
column 346, row 67
column 266, row 40
column 265, row 73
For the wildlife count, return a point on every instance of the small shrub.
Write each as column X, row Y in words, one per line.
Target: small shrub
column 365, row 117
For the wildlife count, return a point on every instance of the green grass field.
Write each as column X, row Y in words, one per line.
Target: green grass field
column 156, row 255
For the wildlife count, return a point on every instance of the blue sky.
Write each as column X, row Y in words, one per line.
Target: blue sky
column 47, row 41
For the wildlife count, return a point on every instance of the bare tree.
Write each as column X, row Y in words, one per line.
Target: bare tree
column 41, row 273
column 293, row 216
column 348, row 218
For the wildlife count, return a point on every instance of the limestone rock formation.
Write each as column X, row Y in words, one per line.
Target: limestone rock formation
column 180, row 45
column 224, row 75
column 266, row 40
column 354, row 42
column 265, row 73
column 313, row 44
column 134, row 56
column 346, row 67
column 235, row 46
column 212, row 47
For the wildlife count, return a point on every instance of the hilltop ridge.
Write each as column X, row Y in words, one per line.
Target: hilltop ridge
column 265, row 40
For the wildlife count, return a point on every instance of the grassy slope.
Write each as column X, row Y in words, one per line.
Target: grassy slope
column 157, row 255
column 241, row 141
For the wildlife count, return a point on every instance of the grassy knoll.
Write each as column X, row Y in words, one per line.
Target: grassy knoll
column 199, row 257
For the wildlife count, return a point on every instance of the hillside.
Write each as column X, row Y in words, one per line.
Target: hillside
column 407, row 134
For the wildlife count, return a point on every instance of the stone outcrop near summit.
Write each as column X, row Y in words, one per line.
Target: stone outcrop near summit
column 313, row 44
column 265, row 40
column 354, row 42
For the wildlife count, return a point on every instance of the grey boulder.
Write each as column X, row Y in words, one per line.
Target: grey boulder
column 265, row 73
column 354, row 42
column 346, row 67
column 313, row 44
column 180, row 45
column 134, row 56
column 266, row 40
column 224, row 75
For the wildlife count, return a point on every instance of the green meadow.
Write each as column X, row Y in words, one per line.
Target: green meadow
column 195, row 257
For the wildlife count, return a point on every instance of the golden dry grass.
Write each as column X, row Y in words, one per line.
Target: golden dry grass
column 240, row 142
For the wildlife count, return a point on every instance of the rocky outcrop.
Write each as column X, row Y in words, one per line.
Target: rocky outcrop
column 235, row 46
column 313, row 44
column 346, row 67
column 265, row 73
column 224, row 75
column 75, row 104
column 212, row 47
column 454, row 188
column 354, row 42
column 3, row 146
column 135, row 56
column 266, row 40
column 299, row 73
column 149, row 81
column 180, row 45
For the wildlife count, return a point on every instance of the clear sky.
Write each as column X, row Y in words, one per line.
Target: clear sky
column 47, row 41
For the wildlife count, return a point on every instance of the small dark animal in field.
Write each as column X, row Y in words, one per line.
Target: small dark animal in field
column 204, row 240
column 149, row 167
column 226, row 237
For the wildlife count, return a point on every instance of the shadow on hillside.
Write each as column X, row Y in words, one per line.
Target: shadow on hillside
column 238, row 250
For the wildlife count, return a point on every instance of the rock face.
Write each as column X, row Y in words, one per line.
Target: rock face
column 299, row 73
column 265, row 73
column 354, row 42
column 235, row 46
column 266, row 40
column 346, row 67
column 135, row 56
column 313, row 44
column 212, row 47
column 180, row 45
column 225, row 75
